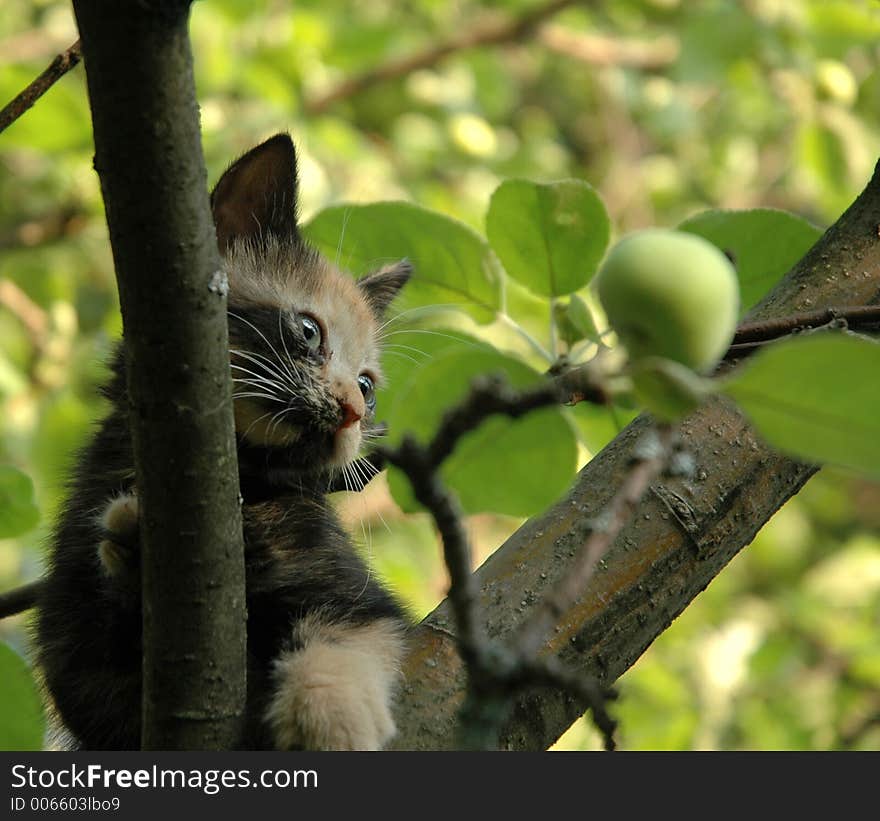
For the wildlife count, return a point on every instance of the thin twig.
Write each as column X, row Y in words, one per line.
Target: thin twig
column 32, row 316
column 492, row 395
column 415, row 461
column 19, row 599
column 750, row 335
column 651, row 457
column 56, row 70
column 550, row 672
column 491, row 33
column 494, row 673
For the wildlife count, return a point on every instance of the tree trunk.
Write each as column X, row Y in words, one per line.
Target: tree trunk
column 149, row 158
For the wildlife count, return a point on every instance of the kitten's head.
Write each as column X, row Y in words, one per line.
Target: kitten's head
column 304, row 337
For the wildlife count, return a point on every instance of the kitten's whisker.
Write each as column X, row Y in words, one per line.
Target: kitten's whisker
column 346, row 477
column 252, row 384
column 255, row 395
column 263, row 362
column 263, row 336
column 268, row 385
column 382, row 519
column 428, row 332
column 355, row 484
column 370, row 437
column 258, row 419
column 362, row 480
column 345, row 218
column 366, row 469
column 369, row 546
column 405, row 356
column 263, row 377
column 276, row 420
column 399, row 347
column 428, row 309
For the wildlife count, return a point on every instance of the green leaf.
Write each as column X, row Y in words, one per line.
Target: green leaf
column 453, row 264
column 410, row 349
column 21, row 715
column 550, row 237
column 18, row 511
column 516, row 467
column 816, row 397
column 597, row 425
column 764, row 243
column 574, row 321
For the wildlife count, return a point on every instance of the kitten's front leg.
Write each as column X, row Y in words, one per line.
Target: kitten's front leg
column 334, row 691
column 118, row 551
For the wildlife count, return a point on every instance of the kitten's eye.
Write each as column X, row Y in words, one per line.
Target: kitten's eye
column 312, row 333
column 368, row 389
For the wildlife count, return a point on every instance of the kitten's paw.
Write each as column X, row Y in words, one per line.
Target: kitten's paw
column 335, row 693
column 117, row 551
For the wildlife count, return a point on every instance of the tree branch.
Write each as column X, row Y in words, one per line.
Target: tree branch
column 19, row 599
column 56, row 70
column 486, row 34
column 32, row 316
column 753, row 335
column 172, row 292
column 602, row 50
column 683, row 534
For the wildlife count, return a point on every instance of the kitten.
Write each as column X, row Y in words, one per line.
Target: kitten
column 324, row 637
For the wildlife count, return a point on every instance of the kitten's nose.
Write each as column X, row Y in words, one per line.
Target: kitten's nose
column 350, row 415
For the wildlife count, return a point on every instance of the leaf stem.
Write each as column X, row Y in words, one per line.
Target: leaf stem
column 554, row 336
column 533, row 343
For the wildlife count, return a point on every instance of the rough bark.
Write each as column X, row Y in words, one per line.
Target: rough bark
column 683, row 534
column 149, row 158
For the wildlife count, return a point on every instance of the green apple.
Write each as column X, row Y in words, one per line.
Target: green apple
column 670, row 294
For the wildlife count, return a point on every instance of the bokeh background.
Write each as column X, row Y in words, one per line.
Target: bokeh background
column 666, row 107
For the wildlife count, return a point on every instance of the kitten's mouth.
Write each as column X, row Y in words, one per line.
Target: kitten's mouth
column 277, row 443
column 346, row 444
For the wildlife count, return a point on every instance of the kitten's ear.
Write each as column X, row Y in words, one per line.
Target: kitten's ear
column 381, row 287
column 256, row 196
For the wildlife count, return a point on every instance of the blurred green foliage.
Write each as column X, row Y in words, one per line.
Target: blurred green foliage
column 665, row 108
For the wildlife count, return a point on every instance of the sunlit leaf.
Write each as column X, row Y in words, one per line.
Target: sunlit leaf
column 21, row 717
column 515, row 467
column 816, row 397
column 453, row 264
column 763, row 242
column 549, row 237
